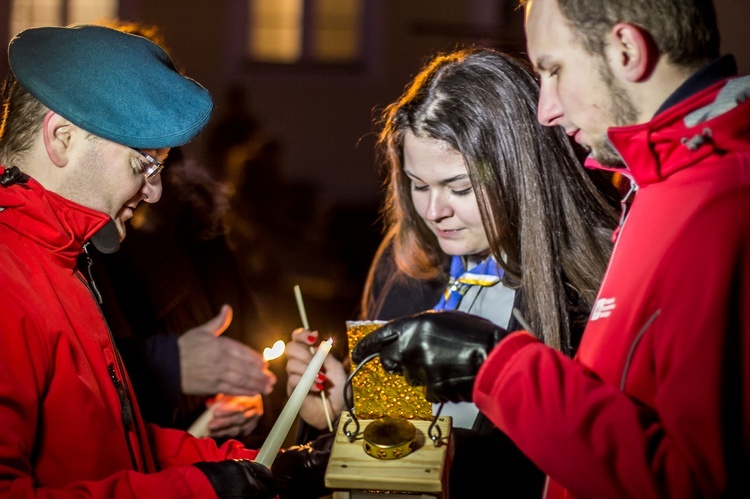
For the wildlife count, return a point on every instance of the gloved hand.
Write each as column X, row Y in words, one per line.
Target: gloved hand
column 299, row 471
column 235, row 478
column 441, row 351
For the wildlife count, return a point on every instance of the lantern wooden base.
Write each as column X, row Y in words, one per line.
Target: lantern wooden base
column 375, row 495
column 353, row 474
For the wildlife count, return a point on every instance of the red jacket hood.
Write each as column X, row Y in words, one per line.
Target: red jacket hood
column 706, row 123
column 51, row 220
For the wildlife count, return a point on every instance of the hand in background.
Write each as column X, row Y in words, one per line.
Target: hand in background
column 211, row 364
column 235, row 416
column 298, row 357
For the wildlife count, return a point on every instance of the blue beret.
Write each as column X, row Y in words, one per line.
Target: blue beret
column 118, row 86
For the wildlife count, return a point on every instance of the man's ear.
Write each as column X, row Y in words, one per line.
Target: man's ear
column 57, row 133
column 633, row 52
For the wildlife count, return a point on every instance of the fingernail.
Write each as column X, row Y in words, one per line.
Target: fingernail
column 312, row 338
column 319, row 386
column 321, row 378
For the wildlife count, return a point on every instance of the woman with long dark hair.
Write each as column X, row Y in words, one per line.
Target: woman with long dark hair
column 548, row 225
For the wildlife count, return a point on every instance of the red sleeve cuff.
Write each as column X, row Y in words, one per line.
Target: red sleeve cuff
column 497, row 360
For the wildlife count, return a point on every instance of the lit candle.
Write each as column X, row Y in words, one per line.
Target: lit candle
column 280, row 429
column 276, row 351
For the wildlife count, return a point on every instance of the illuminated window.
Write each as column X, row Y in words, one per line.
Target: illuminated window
column 305, row 31
column 30, row 13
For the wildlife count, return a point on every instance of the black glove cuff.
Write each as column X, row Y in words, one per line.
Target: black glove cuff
column 237, row 478
column 299, row 472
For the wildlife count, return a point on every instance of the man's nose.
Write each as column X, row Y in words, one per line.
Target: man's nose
column 549, row 110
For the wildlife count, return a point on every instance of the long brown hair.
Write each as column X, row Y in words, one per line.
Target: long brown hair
column 548, row 225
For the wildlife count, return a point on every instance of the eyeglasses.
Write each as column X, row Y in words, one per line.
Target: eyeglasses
column 154, row 167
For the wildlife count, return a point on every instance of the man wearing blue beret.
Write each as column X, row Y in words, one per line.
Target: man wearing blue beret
column 88, row 122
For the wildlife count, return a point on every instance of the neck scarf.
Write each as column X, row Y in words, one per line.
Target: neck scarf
column 485, row 273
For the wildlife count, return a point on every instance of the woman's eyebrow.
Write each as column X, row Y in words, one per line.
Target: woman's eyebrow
column 460, row 176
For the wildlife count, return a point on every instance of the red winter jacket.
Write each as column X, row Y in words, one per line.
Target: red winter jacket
column 657, row 400
column 61, row 380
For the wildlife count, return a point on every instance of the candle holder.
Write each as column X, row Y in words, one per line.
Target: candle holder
column 389, row 442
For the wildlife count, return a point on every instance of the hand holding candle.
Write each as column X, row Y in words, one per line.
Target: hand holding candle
column 281, row 428
column 306, row 325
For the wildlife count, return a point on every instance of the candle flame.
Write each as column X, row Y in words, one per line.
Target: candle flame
column 276, row 351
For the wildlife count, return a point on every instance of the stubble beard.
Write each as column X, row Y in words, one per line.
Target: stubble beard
column 622, row 112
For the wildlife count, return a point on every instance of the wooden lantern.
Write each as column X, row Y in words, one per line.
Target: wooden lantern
column 354, row 474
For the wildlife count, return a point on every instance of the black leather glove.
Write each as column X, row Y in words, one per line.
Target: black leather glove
column 239, row 478
column 299, row 471
column 441, row 351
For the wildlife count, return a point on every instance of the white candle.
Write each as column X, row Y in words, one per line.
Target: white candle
column 301, row 307
column 306, row 325
column 199, row 428
column 281, row 428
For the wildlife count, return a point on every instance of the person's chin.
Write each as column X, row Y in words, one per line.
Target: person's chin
column 606, row 156
column 603, row 152
column 121, row 231
column 453, row 248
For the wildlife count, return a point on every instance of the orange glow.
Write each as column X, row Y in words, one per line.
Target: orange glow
column 276, row 351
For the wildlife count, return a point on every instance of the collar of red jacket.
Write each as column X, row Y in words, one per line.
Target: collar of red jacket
column 49, row 219
column 715, row 120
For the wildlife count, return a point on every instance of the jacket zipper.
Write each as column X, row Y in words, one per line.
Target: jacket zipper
column 128, row 419
column 624, row 209
column 91, row 284
column 127, row 413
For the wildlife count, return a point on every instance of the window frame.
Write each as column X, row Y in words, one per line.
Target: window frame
column 307, row 59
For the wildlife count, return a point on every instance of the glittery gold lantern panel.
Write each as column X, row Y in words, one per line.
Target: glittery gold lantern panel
column 377, row 393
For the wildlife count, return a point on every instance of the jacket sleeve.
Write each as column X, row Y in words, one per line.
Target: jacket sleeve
column 179, row 448
column 694, row 438
column 25, row 370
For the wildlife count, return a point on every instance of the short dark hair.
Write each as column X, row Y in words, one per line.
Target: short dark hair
column 22, row 119
column 684, row 30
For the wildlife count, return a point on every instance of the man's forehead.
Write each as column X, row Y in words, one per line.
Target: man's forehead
column 532, row 23
column 545, row 30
